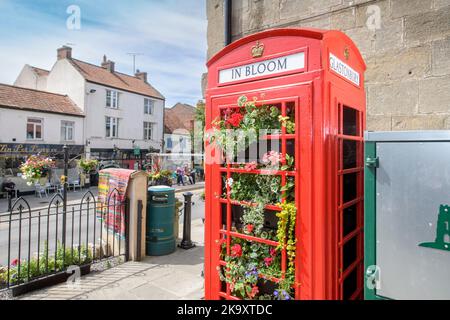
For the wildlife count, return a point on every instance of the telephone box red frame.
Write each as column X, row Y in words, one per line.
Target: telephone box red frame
column 324, row 101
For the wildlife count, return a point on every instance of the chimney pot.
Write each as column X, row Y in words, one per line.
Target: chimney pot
column 141, row 75
column 108, row 64
column 64, row 52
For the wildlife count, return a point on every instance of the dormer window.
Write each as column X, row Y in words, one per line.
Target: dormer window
column 112, row 99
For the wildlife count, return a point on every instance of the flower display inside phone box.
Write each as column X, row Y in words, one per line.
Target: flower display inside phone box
column 262, row 202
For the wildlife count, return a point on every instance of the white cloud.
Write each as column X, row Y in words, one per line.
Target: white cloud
column 170, row 34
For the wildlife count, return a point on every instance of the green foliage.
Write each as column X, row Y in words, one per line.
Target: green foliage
column 286, row 233
column 87, row 165
column 155, row 175
column 288, row 123
column 46, row 264
column 247, row 187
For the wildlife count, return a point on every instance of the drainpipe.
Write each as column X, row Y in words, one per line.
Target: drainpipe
column 228, row 15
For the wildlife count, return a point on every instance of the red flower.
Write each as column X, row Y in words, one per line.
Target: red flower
column 253, row 293
column 236, row 250
column 235, row 119
column 268, row 261
column 249, row 228
column 273, row 252
column 14, row 262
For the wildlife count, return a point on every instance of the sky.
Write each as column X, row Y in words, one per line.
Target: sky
column 168, row 35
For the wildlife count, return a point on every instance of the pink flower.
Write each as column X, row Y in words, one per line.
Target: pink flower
column 14, row 262
column 273, row 158
column 249, row 228
column 268, row 261
column 250, row 166
column 236, row 250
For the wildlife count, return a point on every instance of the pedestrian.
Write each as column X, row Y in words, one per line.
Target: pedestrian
column 192, row 176
column 180, row 174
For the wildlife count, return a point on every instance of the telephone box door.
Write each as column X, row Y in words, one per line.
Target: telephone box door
column 222, row 224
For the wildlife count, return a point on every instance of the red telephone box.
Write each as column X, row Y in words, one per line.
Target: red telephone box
column 315, row 79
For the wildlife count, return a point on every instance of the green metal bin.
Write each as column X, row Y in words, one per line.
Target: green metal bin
column 160, row 239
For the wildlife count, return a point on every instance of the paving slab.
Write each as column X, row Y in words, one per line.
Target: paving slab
column 174, row 276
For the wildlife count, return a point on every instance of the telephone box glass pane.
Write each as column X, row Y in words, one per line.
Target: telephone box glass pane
column 350, row 219
column 350, row 252
column 350, row 153
column 350, row 125
column 350, row 284
column 350, row 186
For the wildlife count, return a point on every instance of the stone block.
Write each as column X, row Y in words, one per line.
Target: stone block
column 296, row 10
column 215, row 37
column 440, row 57
column 344, row 20
column 399, row 98
column 434, row 95
column 319, row 23
column 364, row 40
column 379, row 123
column 427, row 26
column 439, row 4
column 401, row 8
column 404, row 64
column 418, row 122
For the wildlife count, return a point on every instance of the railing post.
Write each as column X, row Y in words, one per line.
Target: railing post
column 139, row 230
column 66, row 164
column 8, row 196
column 186, row 243
column 127, row 229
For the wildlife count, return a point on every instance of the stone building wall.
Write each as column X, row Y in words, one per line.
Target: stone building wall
column 405, row 43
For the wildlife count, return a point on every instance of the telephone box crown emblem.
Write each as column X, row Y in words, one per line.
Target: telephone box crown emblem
column 346, row 53
column 257, row 50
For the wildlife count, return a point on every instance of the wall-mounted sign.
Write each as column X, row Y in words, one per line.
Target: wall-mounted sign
column 39, row 148
column 343, row 69
column 290, row 62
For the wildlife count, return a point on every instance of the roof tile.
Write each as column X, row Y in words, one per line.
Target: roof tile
column 35, row 100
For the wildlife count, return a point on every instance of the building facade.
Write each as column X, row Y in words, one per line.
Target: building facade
column 178, row 126
column 405, row 44
column 34, row 121
column 123, row 114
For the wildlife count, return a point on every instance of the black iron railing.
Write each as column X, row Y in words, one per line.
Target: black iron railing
column 38, row 243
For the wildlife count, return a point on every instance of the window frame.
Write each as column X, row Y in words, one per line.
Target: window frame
column 112, row 98
column 150, row 107
column 35, row 124
column 113, row 123
column 148, row 130
column 64, row 125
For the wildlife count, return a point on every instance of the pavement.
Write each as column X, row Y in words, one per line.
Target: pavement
column 177, row 276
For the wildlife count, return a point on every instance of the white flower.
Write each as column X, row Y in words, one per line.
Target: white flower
column 230, row 182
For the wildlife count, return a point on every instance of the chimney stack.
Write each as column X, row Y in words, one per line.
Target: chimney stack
column 141, row 75
column 108, row 64
column 64, row 52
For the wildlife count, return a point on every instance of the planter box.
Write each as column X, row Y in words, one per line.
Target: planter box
column 46, row 281
column 270, row 218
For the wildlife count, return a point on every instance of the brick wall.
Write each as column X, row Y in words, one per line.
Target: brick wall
column 405, row 43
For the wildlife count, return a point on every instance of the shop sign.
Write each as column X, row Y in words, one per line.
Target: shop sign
column 343, row 69
column 38, row 148
column 273, row 66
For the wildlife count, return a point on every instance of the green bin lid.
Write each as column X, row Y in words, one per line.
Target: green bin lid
column 161, row 189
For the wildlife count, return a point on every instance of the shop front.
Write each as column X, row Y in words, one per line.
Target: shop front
column 12, row 155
